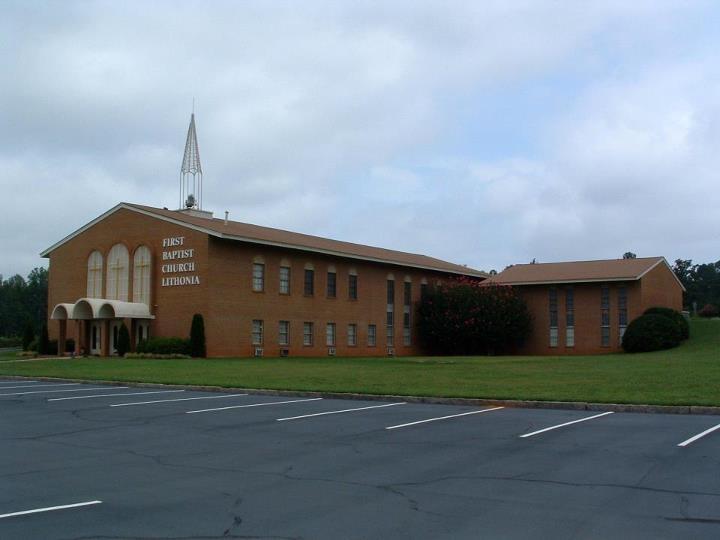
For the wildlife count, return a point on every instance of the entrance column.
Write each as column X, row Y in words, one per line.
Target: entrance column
column 105, row 338
column 62, row 336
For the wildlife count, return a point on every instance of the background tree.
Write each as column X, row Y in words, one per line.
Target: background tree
column 44, row 341
column 22, row 300
column 28, row 335
column 197, row 337
column 629, row 255
column 701, row 282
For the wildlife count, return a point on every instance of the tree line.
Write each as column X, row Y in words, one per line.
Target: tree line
column 701, row 281
column 23, row 302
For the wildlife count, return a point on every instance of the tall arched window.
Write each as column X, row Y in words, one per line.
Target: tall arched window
column 117, row 273
column 141, row 275
column 95, row 275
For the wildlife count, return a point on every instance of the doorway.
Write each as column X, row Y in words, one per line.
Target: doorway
column 96, row 337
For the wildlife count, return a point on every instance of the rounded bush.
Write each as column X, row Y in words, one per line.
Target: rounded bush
column 162, row 345
column 673, row 315
column 651, row 333
column 708, row 310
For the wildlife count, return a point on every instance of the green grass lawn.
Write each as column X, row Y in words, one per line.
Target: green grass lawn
column 687, row 375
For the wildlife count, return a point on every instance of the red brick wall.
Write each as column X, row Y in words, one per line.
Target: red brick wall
column 172, row 306
column 587, row 317
column 225, row 296
column 660, row 288
column 235, row 304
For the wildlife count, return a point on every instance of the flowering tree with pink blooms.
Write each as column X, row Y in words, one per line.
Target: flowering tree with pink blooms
column 465, row 316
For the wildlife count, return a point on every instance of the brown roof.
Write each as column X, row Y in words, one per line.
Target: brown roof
column 247, row 232
column 577, row 271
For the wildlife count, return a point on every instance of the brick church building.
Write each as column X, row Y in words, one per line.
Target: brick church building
column 269, row 292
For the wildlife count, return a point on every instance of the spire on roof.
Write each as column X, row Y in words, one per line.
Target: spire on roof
column 191, row 170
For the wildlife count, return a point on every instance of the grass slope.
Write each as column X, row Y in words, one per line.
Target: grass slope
column 687, row 375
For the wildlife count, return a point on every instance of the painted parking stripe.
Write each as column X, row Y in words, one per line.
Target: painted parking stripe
column 254, row 405
column 444, row 417
column 699, row 436
column 15, row 382
column 565, row 424
column 339, row 412
column 169, row 400
column 49, row 509
column 115, row 395
column 37, row 386
column 58, row 391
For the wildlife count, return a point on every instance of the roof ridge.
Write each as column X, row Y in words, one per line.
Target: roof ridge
column 219, row 221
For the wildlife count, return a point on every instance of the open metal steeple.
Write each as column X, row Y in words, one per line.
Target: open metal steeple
column 191, row 171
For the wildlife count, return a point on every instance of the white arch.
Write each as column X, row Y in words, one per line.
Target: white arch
column 62, row 312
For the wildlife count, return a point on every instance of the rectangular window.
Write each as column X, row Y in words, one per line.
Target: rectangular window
column 352, row 334
column 604, row 316
column 257, row 332
column 284, row 280
column 553, row 306
column 407, row 300
column 284, row 333
column 331, row 284
column 352, row 287
column 330, row 334
column 372, row 335
column 308, row 334
column 622, row 312
column 390, row 321
column 423, row 291
column 569, row 317
column 258, row 277
column 309, row 282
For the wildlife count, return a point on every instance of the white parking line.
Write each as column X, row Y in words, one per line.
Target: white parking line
column 58, row 391
column 565, row 424
column 37, row 386
column 338, row 412
column 254, row 405
column 699, row 436
column 115, row 395
column 16, row 381
column 444, row 418
column 49, row 509
column 169, row 400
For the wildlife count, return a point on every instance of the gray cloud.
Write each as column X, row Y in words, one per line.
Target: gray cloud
column 332, row 118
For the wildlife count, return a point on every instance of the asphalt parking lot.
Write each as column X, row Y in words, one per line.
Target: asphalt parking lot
column 93, row 461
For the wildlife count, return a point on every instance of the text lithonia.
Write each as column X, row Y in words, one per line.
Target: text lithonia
column 177, row 268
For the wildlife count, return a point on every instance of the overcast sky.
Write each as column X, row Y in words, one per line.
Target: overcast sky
column 483, row 133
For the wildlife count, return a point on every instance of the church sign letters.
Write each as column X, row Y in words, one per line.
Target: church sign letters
column 174, row 249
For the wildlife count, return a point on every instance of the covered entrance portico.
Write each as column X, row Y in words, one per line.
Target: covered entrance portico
column 97, row 324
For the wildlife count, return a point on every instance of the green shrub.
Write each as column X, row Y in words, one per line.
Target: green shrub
column 673, row 315
column 123, row 341
column 163, row 345
column 156, row 356
column 32, row 346
column 651, row 333
column 6, row 342
column 197, row 337
column 28, row 336
column 466, row 317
